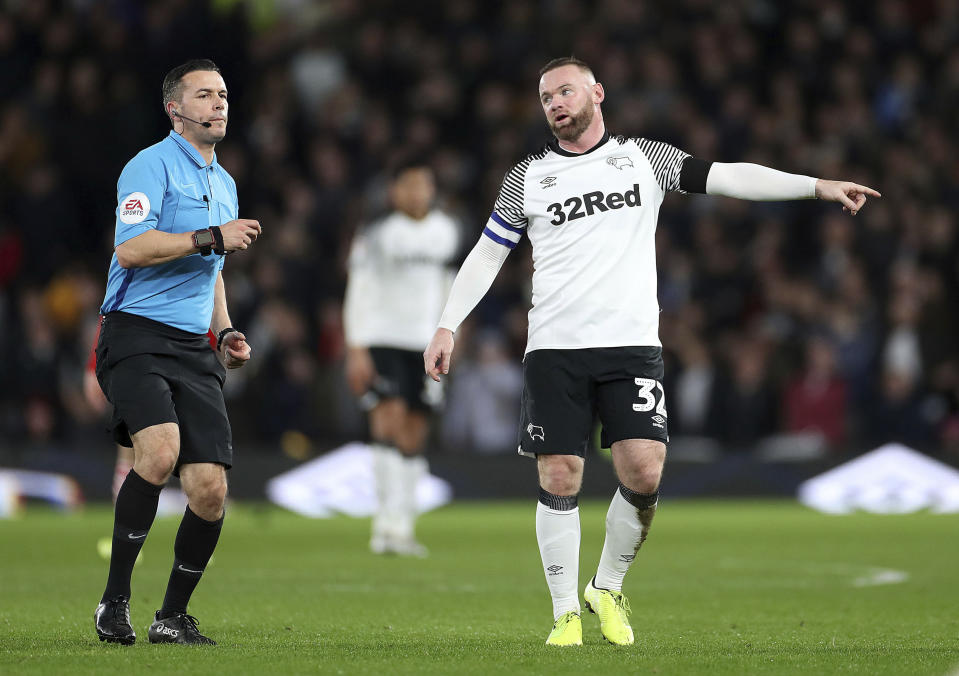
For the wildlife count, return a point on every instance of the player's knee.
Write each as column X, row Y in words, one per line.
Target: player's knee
column 644, row 478
column 560, row 474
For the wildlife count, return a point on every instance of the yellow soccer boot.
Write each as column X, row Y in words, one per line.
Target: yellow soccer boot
column 613, row 610
column 567, row 630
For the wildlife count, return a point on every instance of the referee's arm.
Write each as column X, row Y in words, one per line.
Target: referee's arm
column 234, row 350
column 221, row 315
column 154, row 247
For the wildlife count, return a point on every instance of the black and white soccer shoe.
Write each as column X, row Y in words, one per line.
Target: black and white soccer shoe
column 112, row 619
column 180, row 628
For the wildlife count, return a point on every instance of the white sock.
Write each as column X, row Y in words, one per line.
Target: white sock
column 557, row 533
column 626, row 529
column 386, row 468
column 411, row 469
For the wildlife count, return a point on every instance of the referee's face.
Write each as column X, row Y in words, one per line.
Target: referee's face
column 568, row 96
column 204, row 100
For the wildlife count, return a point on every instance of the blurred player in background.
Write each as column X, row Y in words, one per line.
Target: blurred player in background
column 589, row 202
column 398, row 277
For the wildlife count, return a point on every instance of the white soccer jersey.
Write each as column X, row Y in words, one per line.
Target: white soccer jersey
column 399, row 276
column 591, row 220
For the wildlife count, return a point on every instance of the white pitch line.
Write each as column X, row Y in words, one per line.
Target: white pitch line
column 861, row 575
column 881, row 576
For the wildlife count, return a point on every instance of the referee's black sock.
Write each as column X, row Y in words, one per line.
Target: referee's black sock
column 195, row 541
column 135, row 510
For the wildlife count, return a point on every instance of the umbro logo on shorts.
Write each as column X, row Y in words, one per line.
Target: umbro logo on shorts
column 658, row 420
column 535, row 431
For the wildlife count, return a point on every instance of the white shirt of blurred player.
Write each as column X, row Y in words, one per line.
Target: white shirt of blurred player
column 591, row 220
column 400, row 275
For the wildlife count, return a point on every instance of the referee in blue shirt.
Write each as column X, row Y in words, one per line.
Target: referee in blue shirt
column 176, row 220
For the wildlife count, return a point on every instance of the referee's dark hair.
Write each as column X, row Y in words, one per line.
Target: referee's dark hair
column 173, row 82
column 566, row 61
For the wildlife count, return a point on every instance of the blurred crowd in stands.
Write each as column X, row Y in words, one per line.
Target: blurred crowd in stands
column 777, row 319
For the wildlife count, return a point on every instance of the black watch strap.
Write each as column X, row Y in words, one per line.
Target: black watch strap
column 221, row 335
column 217, row 240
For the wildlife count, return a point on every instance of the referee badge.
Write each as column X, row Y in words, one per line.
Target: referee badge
column 134, row 208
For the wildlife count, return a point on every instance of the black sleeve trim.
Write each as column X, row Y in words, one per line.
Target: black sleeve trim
column 692, row 177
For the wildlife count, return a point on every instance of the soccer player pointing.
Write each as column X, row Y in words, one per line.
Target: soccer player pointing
column 589, row 203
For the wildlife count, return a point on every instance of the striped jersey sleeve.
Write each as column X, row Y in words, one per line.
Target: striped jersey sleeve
column 508, row 221
column 666, row 160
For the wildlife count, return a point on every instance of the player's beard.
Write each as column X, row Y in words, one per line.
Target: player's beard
column 573, row 130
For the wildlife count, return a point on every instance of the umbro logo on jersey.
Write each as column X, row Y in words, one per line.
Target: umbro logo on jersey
column 536, row 432
column 591, row 202
column 620, row 162
column 548, row 182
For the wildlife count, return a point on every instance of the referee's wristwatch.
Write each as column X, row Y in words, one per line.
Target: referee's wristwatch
column 203, row 240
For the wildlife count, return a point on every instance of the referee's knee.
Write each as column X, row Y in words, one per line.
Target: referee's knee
column 208, row 496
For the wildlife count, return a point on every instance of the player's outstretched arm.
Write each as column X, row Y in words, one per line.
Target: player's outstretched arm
column 748, row 181
column 852, row 196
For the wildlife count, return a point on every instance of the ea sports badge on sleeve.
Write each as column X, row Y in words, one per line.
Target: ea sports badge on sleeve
column 134, row 208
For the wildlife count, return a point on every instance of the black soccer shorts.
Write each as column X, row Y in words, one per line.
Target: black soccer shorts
column 399, row 373
column 153, row 373
column 563, row 390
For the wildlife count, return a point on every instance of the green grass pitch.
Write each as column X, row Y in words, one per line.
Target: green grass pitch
column 719, row 588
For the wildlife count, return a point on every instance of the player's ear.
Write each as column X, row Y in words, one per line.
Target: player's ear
column 599, row 94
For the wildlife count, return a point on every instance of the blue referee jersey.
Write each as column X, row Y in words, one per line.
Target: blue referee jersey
column 169, row 187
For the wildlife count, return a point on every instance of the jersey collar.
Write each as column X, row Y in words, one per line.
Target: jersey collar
column 555, row 147
column 188, row 148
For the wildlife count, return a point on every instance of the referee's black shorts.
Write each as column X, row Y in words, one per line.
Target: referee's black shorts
column 154, row 373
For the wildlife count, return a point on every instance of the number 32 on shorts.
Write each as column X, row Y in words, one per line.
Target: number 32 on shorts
column 647, row 396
